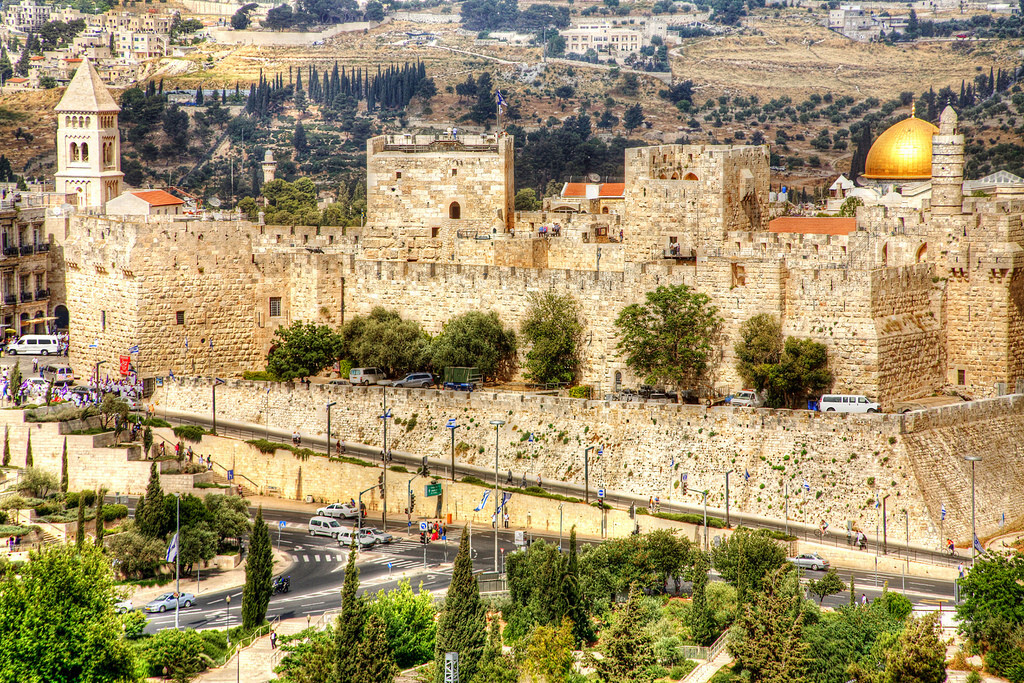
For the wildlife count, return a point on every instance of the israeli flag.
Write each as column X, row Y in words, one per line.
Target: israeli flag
column 807, row 486
column 746, row 475
column 170, row 373
column 94, row 344
column 672, row 463
column 505, row 497
column 186, row 343
column 133, row 349
column 530, row 440
column 501, row 100
column 943, row 512
column 878, row 503
column 483, row 502
column 172, row 549
column 977, row 545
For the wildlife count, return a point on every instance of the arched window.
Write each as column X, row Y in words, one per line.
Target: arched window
column 922, row 252
column 618, row 381
column 74, row 151
column 454, row 210
column 675, row 176
column 690, row 176
column 85, row 151
column 604, row 209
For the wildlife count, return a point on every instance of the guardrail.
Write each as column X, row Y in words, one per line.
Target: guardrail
column 441, row 466
column 244, row 643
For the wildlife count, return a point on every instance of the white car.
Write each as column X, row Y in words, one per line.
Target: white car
column 365, row 540
column 337, row 510
column 167, row 601
column 123, row 606
column 377, row 535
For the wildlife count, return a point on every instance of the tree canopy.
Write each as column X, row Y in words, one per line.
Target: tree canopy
column 383, row 339
column 786, row 374
column 475, row 339
column 671, row 337
column 304, row 349
column 554, row 330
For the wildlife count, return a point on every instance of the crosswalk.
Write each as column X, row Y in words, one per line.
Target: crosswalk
column 381, row 554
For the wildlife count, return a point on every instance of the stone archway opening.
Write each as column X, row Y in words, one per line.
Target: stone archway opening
column 454, row 211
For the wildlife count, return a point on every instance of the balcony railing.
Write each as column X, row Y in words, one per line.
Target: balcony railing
column 42, row 294
column 10, row 251
column 26, row 296
column 42, row 247
column 26, row 249
column 10, row 299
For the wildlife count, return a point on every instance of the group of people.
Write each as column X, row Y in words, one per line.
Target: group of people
column 554, row 230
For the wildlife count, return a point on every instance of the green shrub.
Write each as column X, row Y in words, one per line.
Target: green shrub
column 13, row 530
column 687, row 518
column 114, row 511
column 52, row 507
column 476, row 481
column 260, row 376
column 134, row 624
column 192, row 433
column 156, row 422
column 344, row 367
column 71, row 500
column 399, row 468
column 682, row 670
column 541, row 493
column 581, row 391
column 266, row 447
column 210, row 485
column 3, row 517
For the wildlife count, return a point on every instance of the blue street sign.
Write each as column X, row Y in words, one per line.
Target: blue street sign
column 282, row 524
column 231, row 475
column 423, row 526
column 389, row 565
column 600, row 493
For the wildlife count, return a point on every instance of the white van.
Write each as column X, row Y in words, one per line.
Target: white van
column 365, row 376
column 33, row 344
column 847, row 403
column 58, row 374
column 325, row 526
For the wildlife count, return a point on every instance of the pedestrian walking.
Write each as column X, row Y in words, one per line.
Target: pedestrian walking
column 960, row 568
column 863, row 600
column 273, row 640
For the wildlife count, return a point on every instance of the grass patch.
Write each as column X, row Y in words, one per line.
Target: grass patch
column 541, row 493
column 687, row 518
column 210, row 485
column 155, row 422
column 191, row 433
column 91, row 431
column 476, row 481
column 13, row 530
column 161, row 580
column 260, row 376
column 399, row 468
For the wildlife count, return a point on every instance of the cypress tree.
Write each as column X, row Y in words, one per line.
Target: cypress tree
column 582, row 629
column 853, row 592
column 149, row 513
column 628, row 650
column 64, row 468
column 702, row 625
column 99, row 517
column 462, row 627
column 7, row 445
column 259, row 570
column 376, row 664
column 28, row 450
column 860, row 156
column 348, row 634
column 80, row 531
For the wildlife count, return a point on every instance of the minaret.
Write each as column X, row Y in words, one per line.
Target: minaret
column 88, row 143
column 269, row 166
column 947, row 166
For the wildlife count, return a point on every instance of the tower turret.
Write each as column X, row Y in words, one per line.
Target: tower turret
column 947, row 166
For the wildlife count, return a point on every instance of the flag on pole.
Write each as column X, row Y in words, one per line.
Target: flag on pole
column 483, row 502
column 977, row 544
column 94, row 344
column 807, row 486
column 673, row 462
column 505, row 497
column 877, row 503
column 211, row 342
column 170, row 373
column 133, row 349
column 746, row 475
column 172, row 549
column 500, row 99
column 186, row 343
column 943, row 512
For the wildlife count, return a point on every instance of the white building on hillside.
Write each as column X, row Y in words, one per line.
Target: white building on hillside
column 613, row 37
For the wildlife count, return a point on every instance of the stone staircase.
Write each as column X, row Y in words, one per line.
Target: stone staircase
column 257, row 661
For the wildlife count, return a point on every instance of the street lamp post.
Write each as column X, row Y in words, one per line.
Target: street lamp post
column 785, row 495
column 452, row 426
column 329, row 406
column 216, row 381
column 98, row 364
column 560, row 527
column 906, row 566
column 974, row 531
column 359, row 512
column 386, row 415
column 497, row 490
column 885, row 527
column 586, row 474
column 727, row 473
column 705, row 492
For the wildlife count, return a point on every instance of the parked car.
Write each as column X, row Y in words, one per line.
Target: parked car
column 346, row 535
column 747, row 398
column 366, row 376
column 337, row 510
column 168, row 601
column 123, row 606
column 416, row 380
column 325, row 526
column 37, row 384
column 847, row 403
column 58, row 373
column 378, row 535
column 812, row 561
column 84, row 392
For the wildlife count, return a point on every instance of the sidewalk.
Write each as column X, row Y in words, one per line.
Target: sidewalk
column 254, row 664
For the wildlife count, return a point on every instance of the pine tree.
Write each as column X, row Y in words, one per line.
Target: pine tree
column 495, row 666
column 99, row 517
column 259, row 570
column 376, row 664
column 64, row 468
column 462, row 627
column 299, row 139
column 28, row 450
column 582, row 628
column 80, row 531
column 150, row 518
column 702, row 624
column 769, row 646
column 627, row 649
column 7, row 446
column 348, row 634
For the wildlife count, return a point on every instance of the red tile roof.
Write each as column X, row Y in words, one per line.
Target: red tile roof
column 36, row 58
column 158, row 198
column 17, row 80
column 72, row 60
column 612, row 189
column 813, row 226
column 575, row 190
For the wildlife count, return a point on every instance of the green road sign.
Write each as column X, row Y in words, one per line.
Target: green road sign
column 433, row 490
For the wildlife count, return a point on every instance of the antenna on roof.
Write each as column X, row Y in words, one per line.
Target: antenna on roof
column 594, row 178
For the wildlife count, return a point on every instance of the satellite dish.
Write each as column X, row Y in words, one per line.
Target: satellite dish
column 593, row 177
column 214, row 202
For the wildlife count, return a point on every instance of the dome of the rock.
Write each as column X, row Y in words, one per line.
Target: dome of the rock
column 903, row 152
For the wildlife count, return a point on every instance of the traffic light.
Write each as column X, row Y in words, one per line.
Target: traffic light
column 380, row 484
column 684, row 488
column 423, row 537
column 424, row 470
column 412, row 502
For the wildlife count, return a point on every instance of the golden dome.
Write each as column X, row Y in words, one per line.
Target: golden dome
column 903, row 152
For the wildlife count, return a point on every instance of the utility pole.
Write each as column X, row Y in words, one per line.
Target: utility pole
column 586, row 474
column 727, row 524
column 497, row 491
column 452, row 426
column 384, row 461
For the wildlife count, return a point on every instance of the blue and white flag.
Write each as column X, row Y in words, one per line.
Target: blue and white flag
column 170, row 373
column 746, row 475
column 94, row 344
column 133, row 349
column 531, row 438
column 672, row 463
column 505, row 497
column 807, row 486
column 943, row 512
column 878, row 503
column 1003, row 522
column 483, row 502
column 501, row 100
column 172, row 549
column 977, row 545
column 186, row 343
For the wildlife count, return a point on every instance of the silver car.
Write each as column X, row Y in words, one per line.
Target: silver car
column 167, row 601
column 812, row 561
column 417, row 380
column 378, row 535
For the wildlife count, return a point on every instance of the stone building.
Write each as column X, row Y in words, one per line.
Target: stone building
column 910, row 298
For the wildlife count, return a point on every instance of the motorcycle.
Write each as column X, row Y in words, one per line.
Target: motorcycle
column 282, row 584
